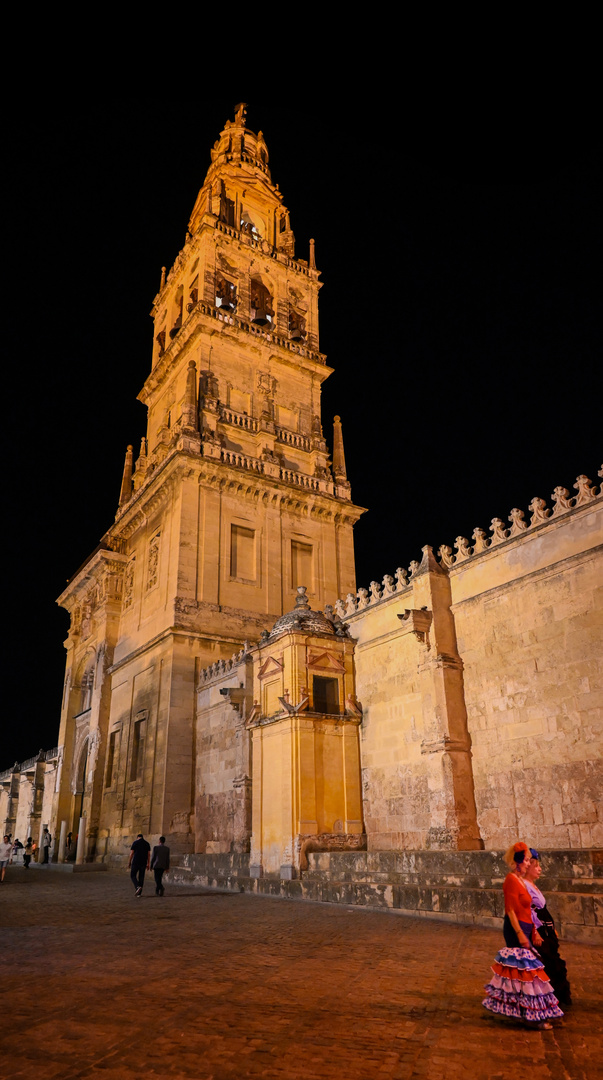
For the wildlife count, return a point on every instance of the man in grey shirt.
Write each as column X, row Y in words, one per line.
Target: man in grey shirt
column 160, row 861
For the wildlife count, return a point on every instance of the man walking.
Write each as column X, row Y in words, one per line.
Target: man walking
column 160, row 862
column 140, row 856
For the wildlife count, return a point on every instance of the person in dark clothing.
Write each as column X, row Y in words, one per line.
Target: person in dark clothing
column 548, row 950
column 160, row 862
column 140, row 857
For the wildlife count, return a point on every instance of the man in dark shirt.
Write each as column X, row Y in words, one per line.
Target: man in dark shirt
column 140, row 856
column 160, row 862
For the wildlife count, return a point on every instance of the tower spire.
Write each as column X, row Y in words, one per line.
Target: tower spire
column 338, row 454
column 126, row 481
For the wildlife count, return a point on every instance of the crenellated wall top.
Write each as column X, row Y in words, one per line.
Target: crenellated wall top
column 540, row 515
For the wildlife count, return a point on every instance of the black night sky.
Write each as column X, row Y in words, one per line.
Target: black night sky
column 458, row 311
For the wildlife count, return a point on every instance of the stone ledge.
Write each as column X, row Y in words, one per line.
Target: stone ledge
column 476, row 901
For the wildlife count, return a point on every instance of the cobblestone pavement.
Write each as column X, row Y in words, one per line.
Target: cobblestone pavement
column 96, row 983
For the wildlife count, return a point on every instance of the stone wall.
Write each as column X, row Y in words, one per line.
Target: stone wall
column 527, row 624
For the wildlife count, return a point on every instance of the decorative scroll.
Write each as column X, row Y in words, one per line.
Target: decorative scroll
column 446, row 556
column 585, row 491
column 497, row 528
column 375, row 591
column 462, row 546
column 539, row 511
column 562, row 502
column 482, row 543
column 401, row 578
column 517, row 523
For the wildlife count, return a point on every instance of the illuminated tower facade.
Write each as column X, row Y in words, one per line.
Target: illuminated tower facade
column 231, row 505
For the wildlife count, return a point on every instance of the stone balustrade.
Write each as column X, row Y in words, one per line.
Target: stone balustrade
column 241, row 420
column 301, row 479
column 241, row 461
column 300, row 442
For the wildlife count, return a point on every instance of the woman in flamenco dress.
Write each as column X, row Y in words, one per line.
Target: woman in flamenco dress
column 519, row 987
column 548, row 950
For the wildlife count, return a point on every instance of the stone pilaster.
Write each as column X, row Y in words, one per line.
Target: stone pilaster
column 446, row 742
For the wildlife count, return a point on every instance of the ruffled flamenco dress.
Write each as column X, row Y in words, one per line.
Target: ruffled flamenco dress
column 520, row 987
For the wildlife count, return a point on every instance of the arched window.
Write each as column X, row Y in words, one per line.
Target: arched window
column 262, row 310
column 226, row 293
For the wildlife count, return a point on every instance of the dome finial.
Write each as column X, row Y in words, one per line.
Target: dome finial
column 301, row 600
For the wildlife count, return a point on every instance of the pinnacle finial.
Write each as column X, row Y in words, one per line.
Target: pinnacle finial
column 301, row 600
column 338, row 455
column 126, row 483
column 312, row 255
column 240, row 113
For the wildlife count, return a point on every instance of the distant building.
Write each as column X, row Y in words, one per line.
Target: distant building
column 208, row 698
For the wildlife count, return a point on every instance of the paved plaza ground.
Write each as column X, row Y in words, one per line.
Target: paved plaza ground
column 201, row 985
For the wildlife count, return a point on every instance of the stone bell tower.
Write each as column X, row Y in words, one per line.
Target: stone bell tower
column 230, row 505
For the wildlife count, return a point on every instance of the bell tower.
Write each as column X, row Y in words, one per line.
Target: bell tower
column 230, row 506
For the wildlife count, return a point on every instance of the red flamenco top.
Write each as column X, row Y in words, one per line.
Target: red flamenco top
column 517, row 898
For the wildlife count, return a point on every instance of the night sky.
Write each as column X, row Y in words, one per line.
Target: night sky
column 458, row 311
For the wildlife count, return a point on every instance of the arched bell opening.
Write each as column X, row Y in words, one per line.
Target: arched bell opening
column 226, row 294
column 262, row 309
column 297, row 325
column 251, row 225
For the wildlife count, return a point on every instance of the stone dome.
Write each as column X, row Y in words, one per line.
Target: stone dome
column 303, row 618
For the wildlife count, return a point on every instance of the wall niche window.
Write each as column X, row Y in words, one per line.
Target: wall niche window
column 301, row 565
column 325, row 693
column 242, row 553
column 138, row 744
column 110, row 759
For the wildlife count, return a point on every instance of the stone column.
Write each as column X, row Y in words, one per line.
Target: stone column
column 62, row 842
column 81, row 842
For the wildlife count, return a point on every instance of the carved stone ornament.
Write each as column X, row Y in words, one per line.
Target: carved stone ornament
column 153, row 564
column 350, row 604
column 585, row 491
column 416, row 621
column 266, row 383
column 375, row 592
column 363, row 598
column 129, row 582
column 482, row 543
column 517, row 523
column 414, row 567
column 446, row 556
column 340, row 608
column 389, row 585
column 401, row 578
column 539, row 511
column 463, row 549
column 497, row 528
column 562, row 501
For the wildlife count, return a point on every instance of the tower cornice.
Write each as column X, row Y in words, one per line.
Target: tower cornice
column 246, row 481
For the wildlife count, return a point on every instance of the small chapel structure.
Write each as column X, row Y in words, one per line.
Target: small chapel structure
column 228, row 685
